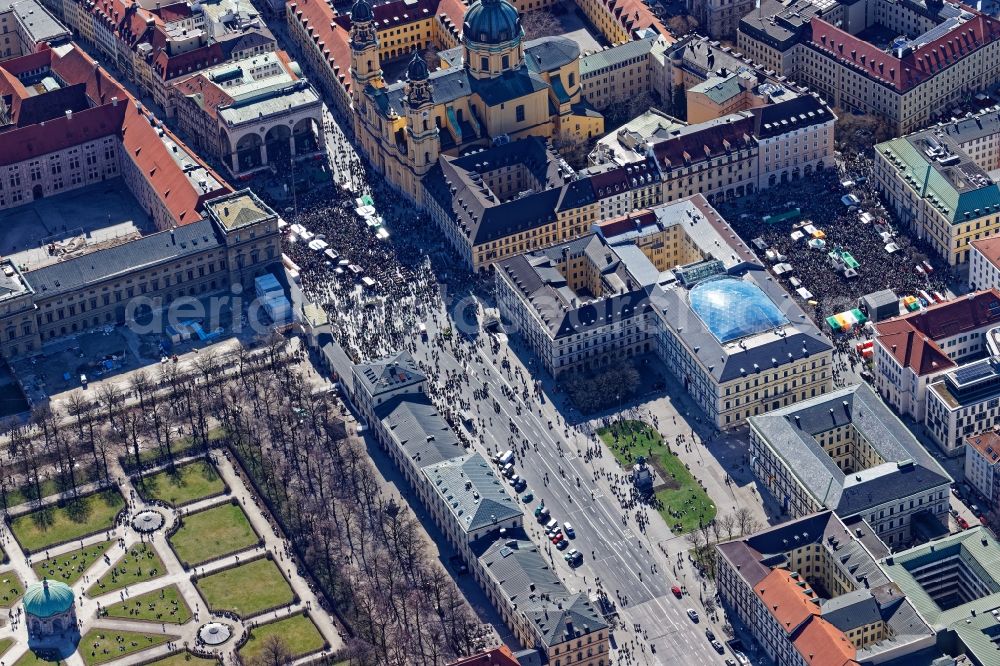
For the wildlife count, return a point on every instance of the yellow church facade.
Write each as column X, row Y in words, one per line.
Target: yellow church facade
column 492, row 89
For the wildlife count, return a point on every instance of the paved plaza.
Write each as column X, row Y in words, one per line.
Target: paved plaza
column 71, row 223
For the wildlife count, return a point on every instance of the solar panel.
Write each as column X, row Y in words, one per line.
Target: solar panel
column 974, row 372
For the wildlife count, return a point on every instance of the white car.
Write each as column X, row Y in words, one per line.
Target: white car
column 693, row 614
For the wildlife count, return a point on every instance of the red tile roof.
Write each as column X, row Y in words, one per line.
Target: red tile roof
column 990, row 249
column 501, row 656
column 822, row 644
column 912, row 339
column 911, row 349
column 788, row 603
column 453, row 11
column 146, row 149
column 635, row 15
column 987, row 444
column 174, row 12
column 169, row 67
column 121, row 117
column 395, row 13
column 211, row 95
column 795, row 606
column 30, row 141
column 699, row 145
column 637, row 219
column 317, row 17
column 904, row 73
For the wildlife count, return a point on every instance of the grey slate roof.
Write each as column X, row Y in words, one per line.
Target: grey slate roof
column 791, row 114
column 790, row 433
column 596, row 62
column 752, row 558
column 387, row 374
column 447, row 85
column 511, row 85
column 475, row 495
column 719, row 89
column 758, row 353
column 546, row 54
column 454, row 82
column 148, row 251
column 476, row 210
column 418, row 430
column 852, row 610
column 525, row 577
column 39, row 24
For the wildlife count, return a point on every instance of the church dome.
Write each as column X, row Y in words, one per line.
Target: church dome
column 48, row 598
column 492, row 22
column 417, row 69
column 361, row 12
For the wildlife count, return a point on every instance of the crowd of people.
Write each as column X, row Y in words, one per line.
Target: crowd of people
column 417, row 278
column 819, row 198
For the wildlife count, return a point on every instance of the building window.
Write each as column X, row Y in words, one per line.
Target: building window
column 484, row 63
column 519, row 112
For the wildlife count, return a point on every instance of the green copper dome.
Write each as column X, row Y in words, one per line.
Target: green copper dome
column 48, row 598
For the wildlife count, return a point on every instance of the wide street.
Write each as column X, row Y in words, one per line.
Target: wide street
column 653, row 627
column 621, row 556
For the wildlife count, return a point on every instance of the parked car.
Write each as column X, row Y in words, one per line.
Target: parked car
column 556, row 538
column 709, row 634
column 718, row 647
column 562, row 544
column 693, row 614
column 527, row 497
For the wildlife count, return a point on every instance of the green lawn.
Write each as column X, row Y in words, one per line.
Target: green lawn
column 100, row 646
column 212, row 533
column 11, row 589
column 48, row 487
column 164, row 605
column 183, row 659
column 298, row 633
column 140, row 563
column 59, row 524
column 70, row 567
column 5, row 644
column 684, row 504
column 247, row 589
column 183, row 485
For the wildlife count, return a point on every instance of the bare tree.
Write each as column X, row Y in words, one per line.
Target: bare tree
column 746, row 521
column 273, row 652
column 682, row 24
column 727, row 524
column 855, row 133
column 540, row 23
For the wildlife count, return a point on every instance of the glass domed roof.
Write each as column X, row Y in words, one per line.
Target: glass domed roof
column 492, row 22
column 48, row 598
column 733, row 308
